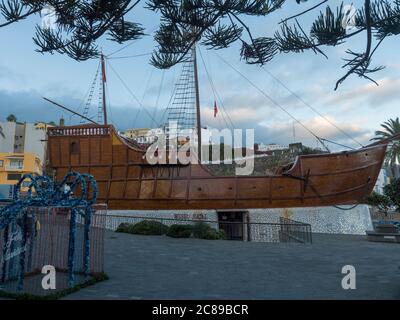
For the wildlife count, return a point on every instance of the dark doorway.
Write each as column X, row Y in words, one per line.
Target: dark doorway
column 232, row 224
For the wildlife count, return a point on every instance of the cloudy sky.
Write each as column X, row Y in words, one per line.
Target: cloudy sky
column 358, row 107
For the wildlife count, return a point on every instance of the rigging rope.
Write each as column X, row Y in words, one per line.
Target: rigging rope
column 131, row 43
column 338, row 144
column 129, row 90
column 108, row 106
column 182, row 108
column 310, row 107
column 169, row 102
column 216, row 93
column 272, row 100
column 120, row 49
column 309, row 183
column 143, row 96
column 345, row 209
column 153, row 123
column 221, row 102
column 88, row 96
column 100, row 102
column 132, row 56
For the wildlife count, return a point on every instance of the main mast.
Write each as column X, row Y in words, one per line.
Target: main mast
column 197, row 94
column 184, row 111
column 103, row 83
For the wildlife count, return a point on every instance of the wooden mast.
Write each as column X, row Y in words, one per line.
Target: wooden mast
column 103, row 82
column 196, row 84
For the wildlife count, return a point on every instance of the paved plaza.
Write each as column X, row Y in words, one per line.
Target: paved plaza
column 159, row 267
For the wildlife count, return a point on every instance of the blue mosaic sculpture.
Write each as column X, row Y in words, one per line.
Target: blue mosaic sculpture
column 44, row 192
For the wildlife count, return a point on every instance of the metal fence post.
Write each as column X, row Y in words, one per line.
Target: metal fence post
column 71, row 247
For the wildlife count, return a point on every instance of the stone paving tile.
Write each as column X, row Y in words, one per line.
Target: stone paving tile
column 159, row 267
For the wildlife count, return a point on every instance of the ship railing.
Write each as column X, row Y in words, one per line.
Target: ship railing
column 283, row 230
column 79, row 131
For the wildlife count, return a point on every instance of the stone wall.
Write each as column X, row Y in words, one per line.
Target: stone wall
column 167, row 215
column 322, row 219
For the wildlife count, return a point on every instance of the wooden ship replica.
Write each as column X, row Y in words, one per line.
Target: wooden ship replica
column 127, row 181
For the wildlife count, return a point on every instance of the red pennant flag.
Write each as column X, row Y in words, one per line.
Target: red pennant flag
column 215, row 109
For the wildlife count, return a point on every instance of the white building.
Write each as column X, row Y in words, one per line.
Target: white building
column 143, row 135
column 19, row 137
column 382, row 181
column 153, row 134
column 270, row 147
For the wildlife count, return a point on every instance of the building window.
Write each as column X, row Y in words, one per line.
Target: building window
column 74, row 147
column 1, row 163
column 14, row 176
column 16, row 164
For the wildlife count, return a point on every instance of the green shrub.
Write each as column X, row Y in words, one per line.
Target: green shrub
column 200, row 229
column 179, row 231
column 123, row 227
column 145, row 227
column 203, row 230
column 392, row 191
column 213, row 234
column 221, row 234
column 149, row 227
column 380, row 201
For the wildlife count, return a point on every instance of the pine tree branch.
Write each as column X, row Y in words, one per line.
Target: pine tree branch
column 195, row 38
column 249, row 34
column 304, row 12
column 85, row 25
column 366, row 55
column 21, row 17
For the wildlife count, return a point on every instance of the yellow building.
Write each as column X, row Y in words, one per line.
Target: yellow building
column 14, row 165
column 43, row 126
column 136, row 133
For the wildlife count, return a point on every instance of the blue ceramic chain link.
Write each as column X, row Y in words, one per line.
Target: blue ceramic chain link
column 44, row 192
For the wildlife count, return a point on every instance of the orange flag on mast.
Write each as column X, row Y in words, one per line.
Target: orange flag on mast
column 215, row 109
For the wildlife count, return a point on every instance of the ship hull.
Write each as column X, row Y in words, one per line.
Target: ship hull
column 126, row 181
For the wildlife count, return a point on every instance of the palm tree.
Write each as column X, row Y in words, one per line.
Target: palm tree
column 12, row 118
column 390, row 128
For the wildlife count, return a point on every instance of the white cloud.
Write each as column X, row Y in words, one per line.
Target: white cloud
column 370, row 95
column 283, row 132
column 237, row 115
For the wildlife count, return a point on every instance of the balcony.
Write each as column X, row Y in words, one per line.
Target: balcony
column 14, row 168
